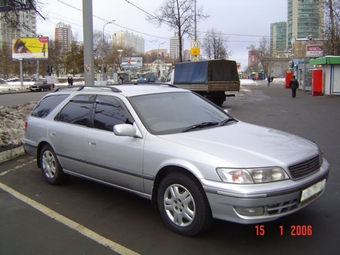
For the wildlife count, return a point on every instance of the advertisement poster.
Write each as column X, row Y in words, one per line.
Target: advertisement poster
column 132, row 62
column 30, row 48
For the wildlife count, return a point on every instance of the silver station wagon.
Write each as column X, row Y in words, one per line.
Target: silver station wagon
column 194, row 161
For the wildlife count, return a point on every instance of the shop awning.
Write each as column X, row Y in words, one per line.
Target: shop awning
column 327, row 60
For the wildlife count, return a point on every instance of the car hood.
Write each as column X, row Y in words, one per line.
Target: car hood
column 246, row 145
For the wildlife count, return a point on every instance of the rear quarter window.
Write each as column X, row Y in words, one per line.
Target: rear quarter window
column 47, row 105
column 77, row 110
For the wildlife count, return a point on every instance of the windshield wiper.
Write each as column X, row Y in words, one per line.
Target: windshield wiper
column 223, row 122
column 201, row 125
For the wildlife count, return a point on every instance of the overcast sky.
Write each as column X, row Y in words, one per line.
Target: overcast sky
column 241, row 22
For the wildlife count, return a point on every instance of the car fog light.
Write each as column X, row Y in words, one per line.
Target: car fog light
column 250, row 211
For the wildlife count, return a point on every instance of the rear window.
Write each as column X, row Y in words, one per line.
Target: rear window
column 47, row 105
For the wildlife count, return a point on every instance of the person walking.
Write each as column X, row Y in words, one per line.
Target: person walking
column 70, row 81
column 294, row 85
column 269, row 80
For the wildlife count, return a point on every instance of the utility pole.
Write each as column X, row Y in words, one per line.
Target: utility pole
column 88, row 42
column 195, row 23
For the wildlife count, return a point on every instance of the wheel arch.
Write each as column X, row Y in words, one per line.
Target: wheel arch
column 39, row 148
column 164, row 172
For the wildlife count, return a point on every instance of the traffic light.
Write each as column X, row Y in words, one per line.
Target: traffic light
column 49, row 69
column 104, row 69
column 100, row 69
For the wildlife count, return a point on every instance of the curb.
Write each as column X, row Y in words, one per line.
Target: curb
column 12, row 153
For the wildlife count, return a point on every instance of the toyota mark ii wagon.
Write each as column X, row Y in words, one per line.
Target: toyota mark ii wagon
column 194, row 161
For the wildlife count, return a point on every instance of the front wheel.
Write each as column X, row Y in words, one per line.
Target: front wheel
column 183, row 204
column 50, row 167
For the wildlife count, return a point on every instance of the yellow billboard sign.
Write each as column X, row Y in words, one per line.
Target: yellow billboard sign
column 30, row 48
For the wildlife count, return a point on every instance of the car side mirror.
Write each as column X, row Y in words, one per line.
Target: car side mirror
column 124, row 130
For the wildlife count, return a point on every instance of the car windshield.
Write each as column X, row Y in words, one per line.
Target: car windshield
column 169, row 113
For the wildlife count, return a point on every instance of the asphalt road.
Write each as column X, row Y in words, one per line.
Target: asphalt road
column 10, row 99
column 82, row 217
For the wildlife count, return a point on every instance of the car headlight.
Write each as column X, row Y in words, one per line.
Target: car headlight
column 252, row 175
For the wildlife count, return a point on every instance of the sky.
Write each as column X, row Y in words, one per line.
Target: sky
column 241, row 22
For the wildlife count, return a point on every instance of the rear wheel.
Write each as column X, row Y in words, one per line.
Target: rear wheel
column 50, row 167
column 183, row 204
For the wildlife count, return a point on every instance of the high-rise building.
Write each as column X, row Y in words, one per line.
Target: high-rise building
column 278, row 37
column 63, row 35
column 27, row 25
column 305, row 19
column 174, row 46
column 126, row 39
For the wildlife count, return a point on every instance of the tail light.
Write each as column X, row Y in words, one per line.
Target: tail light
column 26, row 125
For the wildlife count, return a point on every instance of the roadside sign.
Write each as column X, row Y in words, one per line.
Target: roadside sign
column 195, row 48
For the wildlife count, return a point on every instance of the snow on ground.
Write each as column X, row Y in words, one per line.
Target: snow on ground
column 12, row 127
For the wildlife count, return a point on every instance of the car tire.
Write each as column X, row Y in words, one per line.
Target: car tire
column 50, row 166
column 183, row 204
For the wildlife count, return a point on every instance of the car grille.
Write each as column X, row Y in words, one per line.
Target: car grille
column 305, row 168
column 283, row 207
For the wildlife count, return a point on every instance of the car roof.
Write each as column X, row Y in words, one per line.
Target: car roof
column 145, row 89
column 127, row 90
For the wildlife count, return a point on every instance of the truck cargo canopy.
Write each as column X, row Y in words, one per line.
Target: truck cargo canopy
column 206, row 71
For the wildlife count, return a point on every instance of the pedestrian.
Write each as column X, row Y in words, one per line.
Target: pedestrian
column 294, row 85
column 70, row 81
column 269, row 80
column 121, row 79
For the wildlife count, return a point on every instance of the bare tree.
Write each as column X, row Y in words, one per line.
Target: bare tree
column 7, row 66
column 263, row 56
column 179, row 15
column 214, row 46
column 332, row 27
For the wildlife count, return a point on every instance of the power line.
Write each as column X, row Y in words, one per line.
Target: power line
column 143, row 33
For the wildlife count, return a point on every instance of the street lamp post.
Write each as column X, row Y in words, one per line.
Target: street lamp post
column 109, row 22
column 160, row 67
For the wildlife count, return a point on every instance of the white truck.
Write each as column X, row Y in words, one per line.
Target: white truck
column 213, row 79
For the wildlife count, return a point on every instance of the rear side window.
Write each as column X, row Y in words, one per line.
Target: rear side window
column 47, row 105
column 77, row 111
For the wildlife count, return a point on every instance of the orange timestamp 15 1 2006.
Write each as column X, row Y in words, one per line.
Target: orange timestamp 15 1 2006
column 295, row 230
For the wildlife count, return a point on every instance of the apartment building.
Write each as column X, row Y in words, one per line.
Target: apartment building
column 125, row 39
column 63, row 34
column 26, row 21
column 305, row 19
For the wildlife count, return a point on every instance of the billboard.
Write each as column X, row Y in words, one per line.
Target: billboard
column 131, row 63
column 314, row 51
column 30, row 48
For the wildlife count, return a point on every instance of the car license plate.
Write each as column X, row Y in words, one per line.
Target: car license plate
column 312, row 190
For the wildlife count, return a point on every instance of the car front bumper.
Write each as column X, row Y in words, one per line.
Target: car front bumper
column 256, row 203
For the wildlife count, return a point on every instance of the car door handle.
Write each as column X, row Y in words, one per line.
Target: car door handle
column 53, row 133
column 92, row 143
